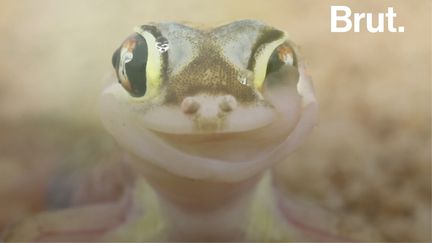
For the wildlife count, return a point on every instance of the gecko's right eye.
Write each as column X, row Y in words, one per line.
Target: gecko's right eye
column 130, row 62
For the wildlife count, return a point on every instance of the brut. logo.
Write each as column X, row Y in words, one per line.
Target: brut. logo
column 342, row 14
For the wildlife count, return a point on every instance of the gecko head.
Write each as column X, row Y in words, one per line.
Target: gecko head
column 222, row 103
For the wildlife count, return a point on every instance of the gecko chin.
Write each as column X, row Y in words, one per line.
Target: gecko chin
column 230, row 147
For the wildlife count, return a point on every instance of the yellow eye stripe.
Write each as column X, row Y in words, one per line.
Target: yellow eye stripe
column 261, row 58
column 154, row 64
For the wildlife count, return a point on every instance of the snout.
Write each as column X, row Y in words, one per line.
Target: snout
column 208, row 112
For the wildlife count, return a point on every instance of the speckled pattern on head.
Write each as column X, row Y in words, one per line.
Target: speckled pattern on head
column 213, row 60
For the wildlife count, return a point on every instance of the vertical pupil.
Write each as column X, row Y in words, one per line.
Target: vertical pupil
column 130, row 62
column 136, row 67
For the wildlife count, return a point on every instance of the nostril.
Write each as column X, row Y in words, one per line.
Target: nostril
column 228, row 103
column 189, row 105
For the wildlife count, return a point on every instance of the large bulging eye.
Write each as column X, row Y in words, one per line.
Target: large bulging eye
column 282, row 55
column 282, row 68
column 274, row 64
column 130, row 62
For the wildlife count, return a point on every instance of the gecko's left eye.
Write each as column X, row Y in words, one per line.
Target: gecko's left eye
column 274, row 63
column 130, row 62
column 282, row 68
column 282, row 55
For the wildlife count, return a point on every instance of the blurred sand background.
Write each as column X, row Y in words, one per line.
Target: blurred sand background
column 368, row 160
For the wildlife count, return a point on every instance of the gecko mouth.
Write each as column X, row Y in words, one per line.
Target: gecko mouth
column 204, row 136
column 227, row 146
column 241, row 134
column 169, row 120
